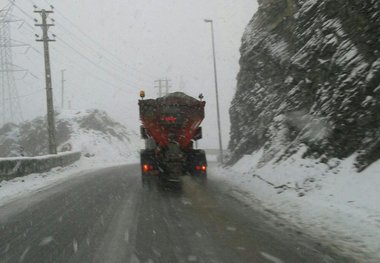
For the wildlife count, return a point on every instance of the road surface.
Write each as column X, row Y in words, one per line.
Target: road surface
column 108, row 216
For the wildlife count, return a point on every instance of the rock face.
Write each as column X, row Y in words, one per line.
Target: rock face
column 310, row 76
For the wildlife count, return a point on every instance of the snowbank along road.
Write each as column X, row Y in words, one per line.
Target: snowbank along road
column 108, row 216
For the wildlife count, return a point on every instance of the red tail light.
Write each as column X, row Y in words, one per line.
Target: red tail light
column 201, row 168
column 147, row 168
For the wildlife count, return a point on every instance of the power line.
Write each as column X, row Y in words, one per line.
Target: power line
column 67, row 44
column 161, row 84
column 80, row 54
column 87, row 46
column 112, row 61
column 21, row 10
column 11, row 108
column 96, row 77
column 26, row 95
column 49, row 90
column 99, row 45
column 88, row 59
column 120, row 73
column 83, row 42
column 167, row 86
column 29, row 46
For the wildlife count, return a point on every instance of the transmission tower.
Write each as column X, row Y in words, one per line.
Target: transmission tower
column 182, row 84
column 9, row 97
column 161, row 84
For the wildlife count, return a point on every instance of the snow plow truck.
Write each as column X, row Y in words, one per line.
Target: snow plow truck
column 170, row 128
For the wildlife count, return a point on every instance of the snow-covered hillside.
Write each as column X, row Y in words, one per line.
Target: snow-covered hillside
column 92, row 132
column 102, row 142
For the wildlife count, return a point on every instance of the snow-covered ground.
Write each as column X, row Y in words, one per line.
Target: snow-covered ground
column 329, row 201
column 102, row 142
column 98, row 137
column 23, row 186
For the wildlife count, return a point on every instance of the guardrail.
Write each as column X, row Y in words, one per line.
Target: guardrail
column 19, row 166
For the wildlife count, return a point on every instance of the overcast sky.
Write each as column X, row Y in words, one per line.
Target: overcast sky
column 113, row 49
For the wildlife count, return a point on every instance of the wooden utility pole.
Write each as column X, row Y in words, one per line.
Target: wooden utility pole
column 49, row 91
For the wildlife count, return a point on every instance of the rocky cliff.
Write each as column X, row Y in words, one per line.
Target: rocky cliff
column 310, row 76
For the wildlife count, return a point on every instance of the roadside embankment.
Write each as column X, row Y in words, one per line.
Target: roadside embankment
column 20, row 166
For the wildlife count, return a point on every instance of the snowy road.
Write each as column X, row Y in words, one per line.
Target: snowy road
column 107, row 216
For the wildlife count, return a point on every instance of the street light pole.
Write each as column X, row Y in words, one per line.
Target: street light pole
column 63, row 88
column 216, row 89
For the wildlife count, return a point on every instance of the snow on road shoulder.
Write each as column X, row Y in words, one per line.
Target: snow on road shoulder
column 20, row 187
column 329, row 201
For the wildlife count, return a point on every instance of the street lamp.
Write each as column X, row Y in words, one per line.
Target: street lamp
column 63, row 88
column 216, row 89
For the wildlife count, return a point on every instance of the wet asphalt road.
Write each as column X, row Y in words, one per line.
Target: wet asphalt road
column 108, row 216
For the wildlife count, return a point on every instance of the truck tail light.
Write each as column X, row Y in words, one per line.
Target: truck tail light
column 201, row 168
column 147, row 168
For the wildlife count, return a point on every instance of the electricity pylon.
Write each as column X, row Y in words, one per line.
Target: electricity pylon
column 9, row 98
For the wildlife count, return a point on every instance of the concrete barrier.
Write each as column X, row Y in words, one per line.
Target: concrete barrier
column 19, row 166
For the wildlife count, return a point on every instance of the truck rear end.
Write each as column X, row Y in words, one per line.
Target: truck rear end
column 170, row 127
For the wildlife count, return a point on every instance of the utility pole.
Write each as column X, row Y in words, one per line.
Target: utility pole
column 49, row 91
column 216, row 89
column 63, row 88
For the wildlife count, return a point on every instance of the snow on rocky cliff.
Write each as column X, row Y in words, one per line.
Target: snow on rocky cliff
column 310, row 77
column 92, row 132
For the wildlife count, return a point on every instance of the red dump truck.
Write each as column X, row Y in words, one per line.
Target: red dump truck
column 170, row 127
